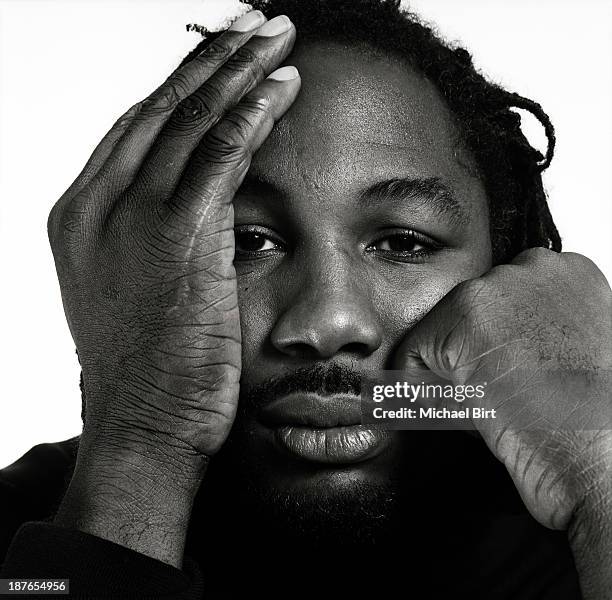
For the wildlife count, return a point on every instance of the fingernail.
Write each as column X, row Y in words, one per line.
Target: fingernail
column 276, row 26
column 284, row 74
column 248, row 22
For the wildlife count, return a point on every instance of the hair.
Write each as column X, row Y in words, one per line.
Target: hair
column 510, row 168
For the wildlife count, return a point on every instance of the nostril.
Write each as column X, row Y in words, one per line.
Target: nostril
column 356, row 348
column 301, row 350
column 318, row 351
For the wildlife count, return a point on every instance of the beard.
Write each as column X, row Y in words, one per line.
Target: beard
column 322, row 507
column 256, row 502
column 297, row 501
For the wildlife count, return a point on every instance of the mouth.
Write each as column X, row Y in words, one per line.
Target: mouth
column 323, row 429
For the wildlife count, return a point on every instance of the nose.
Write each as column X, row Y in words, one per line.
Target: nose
column 331, row 313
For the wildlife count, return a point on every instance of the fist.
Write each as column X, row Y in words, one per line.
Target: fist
column 538, row 331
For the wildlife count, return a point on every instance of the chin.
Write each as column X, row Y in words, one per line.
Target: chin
column 256, row 486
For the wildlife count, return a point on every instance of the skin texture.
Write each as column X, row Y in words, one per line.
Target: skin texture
column 321, row 298
column 162, row 380
column 165, row 327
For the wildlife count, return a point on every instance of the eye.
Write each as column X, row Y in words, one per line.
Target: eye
column 250, row 241
column 254, row 243
column 404, row 245
column 400, row 243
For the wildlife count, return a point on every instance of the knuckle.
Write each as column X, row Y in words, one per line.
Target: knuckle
column 235, row 135
column 255, row 105
column 573, row 258
column 210, row 96
column 216, row 51
column 72, row 221
column 236, row 129
column 247, row 59
column 583, row 267
column 244, row 56
column 219, row 156
column 162, row 101
column 64, row 221
column 229, row 139
column 181, row 84
column 53, row 223
column 196, row 112
column 123, row 122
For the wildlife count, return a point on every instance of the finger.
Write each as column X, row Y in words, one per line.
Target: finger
column 195, row 115
column 183, row 82
column 217, row 167
column 132, row 142
column 155, row 110
column 189, row 77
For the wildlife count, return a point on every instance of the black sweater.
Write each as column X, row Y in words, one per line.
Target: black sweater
column 530, row 564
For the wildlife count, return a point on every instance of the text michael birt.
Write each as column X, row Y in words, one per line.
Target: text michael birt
column 434, row 413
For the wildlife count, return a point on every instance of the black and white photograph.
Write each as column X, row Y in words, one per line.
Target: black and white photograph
column 306, row 299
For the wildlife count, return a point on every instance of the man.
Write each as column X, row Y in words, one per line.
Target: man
column 240, row 254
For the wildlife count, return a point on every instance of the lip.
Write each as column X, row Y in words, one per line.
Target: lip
column 334, row 445
column 323, row 429
column 312, row 410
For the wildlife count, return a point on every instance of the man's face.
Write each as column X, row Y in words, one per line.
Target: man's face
column 360, row 212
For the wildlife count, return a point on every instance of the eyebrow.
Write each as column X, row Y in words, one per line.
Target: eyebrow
column 431, row 193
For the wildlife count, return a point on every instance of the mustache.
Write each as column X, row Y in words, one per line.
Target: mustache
column 318, row 379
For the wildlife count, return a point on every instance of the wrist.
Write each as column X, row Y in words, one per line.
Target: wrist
column 139, row 497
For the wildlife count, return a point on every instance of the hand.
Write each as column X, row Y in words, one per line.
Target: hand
column 143, row 244
column 539, row 332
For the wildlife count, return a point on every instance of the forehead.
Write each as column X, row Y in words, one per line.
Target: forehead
column 362, row 116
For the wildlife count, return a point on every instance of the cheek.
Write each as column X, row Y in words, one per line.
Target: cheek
column 257, row 303
column 403, row 296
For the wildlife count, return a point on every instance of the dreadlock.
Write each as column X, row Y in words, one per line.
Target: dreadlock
column 510, row 168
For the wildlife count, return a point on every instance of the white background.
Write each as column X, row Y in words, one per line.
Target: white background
column 69, row 68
